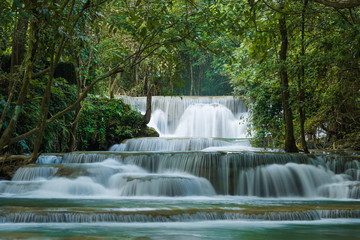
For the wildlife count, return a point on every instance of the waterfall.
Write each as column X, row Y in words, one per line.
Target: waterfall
column 153, row 216
column 224, row 117
column 46, row 159
column 209, row 120
column 157, row 174
column 284, row 180
column 160, row 185
column 32, row 173
column 202, row 169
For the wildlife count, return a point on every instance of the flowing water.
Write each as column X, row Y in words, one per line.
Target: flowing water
column 200, row 180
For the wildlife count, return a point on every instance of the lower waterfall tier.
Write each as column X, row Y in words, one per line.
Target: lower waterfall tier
column 163, row 210
column 261, row 174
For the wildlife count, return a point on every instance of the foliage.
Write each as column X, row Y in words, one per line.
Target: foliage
column 57, row 133
column 330, row 81
column 170, row 47
column 104, row 122
column 161, row 41
column 259, row 84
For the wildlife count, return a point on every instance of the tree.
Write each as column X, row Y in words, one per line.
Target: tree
column 290, row 145
column 301, row 81
column 61, row 27
column 183, row 47
column 75, row 31
column 315, row 57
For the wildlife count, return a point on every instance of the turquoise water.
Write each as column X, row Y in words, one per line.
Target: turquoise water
column 323, row 229
column 339, row 228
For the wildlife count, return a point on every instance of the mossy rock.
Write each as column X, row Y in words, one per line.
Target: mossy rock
column 9, row 165
column 105, row 122
column 148, row 132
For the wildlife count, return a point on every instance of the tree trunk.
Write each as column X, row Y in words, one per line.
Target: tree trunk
column 136, row 74
column 147, row 89
column 44, row 109
column 74, row 126
column 171, row 77
column 17, row 56
column 32, row 45
column 191, row 78
column 114, row 84
column 119, row 68
column 201, row 78
column 8, row 102
column 45, row 103
column 18, row 44
column 290, row 145
column 301, row 83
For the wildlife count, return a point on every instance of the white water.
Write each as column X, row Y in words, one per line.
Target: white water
column 202, row 173
column 223, row 117
column 169, row 144
column 210, row 120
column 108, row 178
column 287, row 180
column 192, row 124
column 194, row 174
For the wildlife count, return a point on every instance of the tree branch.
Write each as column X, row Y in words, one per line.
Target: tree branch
column 115, row 70
column 339, row 4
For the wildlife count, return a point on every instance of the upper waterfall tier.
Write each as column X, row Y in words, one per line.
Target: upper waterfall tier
column 223, row 117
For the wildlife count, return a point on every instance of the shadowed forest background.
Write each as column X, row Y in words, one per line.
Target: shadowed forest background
column 63, row 62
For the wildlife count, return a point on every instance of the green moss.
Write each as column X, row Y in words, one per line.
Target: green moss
column 149, row 132
column 105, row 122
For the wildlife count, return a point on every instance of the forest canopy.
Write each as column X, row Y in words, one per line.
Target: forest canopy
column 295, row 62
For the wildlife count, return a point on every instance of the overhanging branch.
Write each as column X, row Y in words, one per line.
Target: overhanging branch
column 339, row 4
column 115, row 70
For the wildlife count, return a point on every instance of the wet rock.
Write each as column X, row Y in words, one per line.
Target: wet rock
column 9, row 165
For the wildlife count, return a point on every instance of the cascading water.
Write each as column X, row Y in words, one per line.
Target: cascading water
column 209, row 120
column 223, row 117
column 202, row 174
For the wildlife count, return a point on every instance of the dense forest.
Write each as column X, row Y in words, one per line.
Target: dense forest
column 63, row 62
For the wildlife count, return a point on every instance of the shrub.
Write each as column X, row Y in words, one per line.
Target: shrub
column 104, row 122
